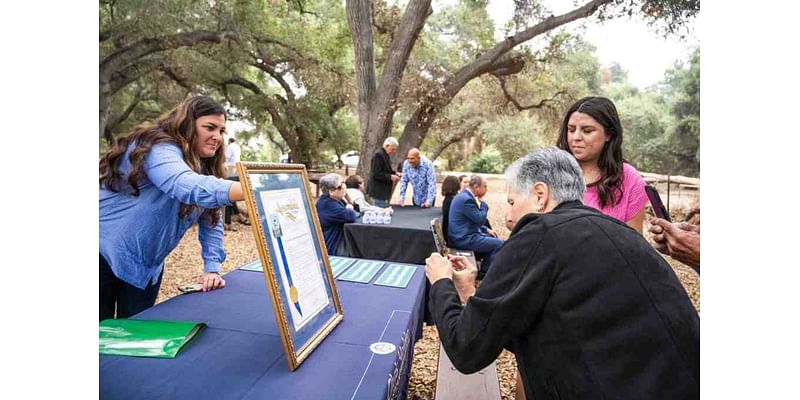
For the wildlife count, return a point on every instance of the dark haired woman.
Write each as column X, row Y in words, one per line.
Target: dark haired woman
column 592, row 132
column 464, row 179
column 155, row 183
column 451, row 186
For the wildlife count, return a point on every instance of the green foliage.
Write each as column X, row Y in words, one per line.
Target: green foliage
column 645, row 119
column 464, row 28
column 618, row 74
column 307, row 55
column 489, row 161
column 514, row 137
column 343, row 133
column 668, row 17
column 307, row 44
column 684, row 137
column 661, row 126
column 564, row 69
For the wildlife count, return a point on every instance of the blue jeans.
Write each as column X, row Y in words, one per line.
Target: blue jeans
column 128, row 299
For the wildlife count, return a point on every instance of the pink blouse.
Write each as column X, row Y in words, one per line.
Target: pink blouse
column 633, row 199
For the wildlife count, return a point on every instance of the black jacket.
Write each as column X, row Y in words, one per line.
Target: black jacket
column 446, row 214
column 380, row 180
column 588, row 307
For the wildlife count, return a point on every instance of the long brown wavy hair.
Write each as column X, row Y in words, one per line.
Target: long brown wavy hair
column 610, row 163
column 176, row 126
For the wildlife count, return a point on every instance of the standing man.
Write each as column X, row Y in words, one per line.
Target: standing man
column 468, row 226
column 419, row 171
column 382, row 177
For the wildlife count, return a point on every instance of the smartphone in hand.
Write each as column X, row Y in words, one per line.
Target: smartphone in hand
column 658, row 205
column 191, row 288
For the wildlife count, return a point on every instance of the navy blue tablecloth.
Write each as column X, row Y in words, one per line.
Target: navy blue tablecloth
column 240, row 356
column 407, row 239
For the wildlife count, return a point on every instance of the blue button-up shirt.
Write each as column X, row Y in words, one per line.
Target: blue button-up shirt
column 137, row 233
column 422, row 178
column 332, row 217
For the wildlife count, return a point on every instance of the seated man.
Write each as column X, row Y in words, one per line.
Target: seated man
column 467, row 228
column 588, row 307
column 355, row 191
column 333, row 212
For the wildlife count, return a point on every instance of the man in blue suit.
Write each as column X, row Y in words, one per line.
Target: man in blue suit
column 468, row 226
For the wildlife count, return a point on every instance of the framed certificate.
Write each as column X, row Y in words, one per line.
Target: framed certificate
column 293, row 255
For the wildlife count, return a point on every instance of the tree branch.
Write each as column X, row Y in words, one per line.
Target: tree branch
column 484, row 63
column 243, row 83
column 129, row 54
column 277, row 120
column 512, row 100
column 508, row 65
column 114, row 122
column 132, row 72
column 183, row 81
column 262, row 65
column 266, row 40
column 418, row 124
column 300, row 8
column 278, row 144
column 469, row 131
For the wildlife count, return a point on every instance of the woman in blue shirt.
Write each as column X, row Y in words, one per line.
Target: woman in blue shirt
column 155, row 183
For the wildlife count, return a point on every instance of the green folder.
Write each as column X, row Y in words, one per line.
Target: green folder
column 143, row 338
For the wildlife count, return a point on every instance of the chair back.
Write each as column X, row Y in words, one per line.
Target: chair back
column 438, row 236
column 441, row 245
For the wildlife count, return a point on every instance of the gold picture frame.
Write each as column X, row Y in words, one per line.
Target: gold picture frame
column 284, row 218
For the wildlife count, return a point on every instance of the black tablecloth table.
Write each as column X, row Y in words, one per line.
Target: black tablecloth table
column 239, row 355
column 407, row 239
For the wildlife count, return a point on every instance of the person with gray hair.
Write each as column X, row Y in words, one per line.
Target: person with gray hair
column 382, row 177
column 334, row 212
column 390, row 141
column 551, row 165
column 590, row 309
column 468, row 225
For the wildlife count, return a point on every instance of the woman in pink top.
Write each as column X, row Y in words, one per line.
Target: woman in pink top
column 592, row 132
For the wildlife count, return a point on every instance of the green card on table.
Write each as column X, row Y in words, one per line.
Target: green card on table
column 340, row 264
column 143, row 338
column 254, row 266
column 396, row 276
column 362, row 271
